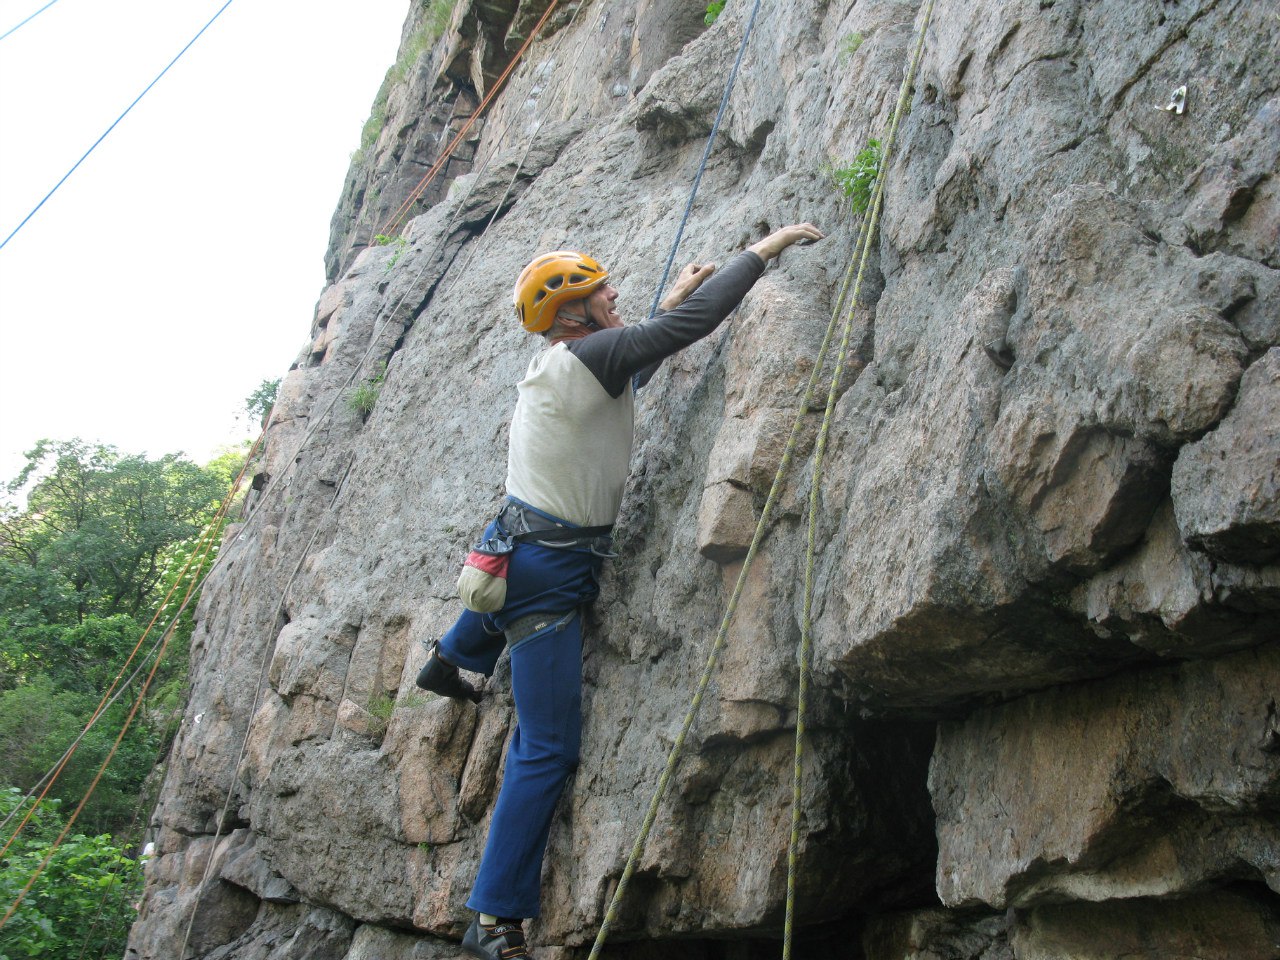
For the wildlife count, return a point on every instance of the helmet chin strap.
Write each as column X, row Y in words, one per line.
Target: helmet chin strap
column 585, row 319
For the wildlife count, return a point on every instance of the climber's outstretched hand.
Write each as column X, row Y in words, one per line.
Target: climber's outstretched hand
column 779, row 240
column 690, row 279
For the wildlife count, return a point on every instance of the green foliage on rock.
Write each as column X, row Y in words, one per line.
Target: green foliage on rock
column 400, row 243
column 83, row 901
column 849, row 45
column 857, row 179
column 434, row 22
column 714, row 9
column 363, row 396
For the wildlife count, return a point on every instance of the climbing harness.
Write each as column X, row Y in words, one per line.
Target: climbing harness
column 315, row 422
column 482, row 585
column 861, row 255
column 521, row 629
column 526, row 524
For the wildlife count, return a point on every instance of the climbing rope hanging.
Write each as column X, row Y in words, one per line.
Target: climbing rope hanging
column 858, row 259
column 138, row 701
column 805, row 654
column 706, row 155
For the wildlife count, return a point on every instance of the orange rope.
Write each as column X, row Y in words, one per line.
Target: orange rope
column 202, row 549
column 168, row 635
column 436, row 167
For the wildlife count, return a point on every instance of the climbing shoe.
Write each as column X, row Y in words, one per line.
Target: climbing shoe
column 503, row 940
column 443, row 678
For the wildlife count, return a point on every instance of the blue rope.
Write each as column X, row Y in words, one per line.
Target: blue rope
column 30, row 18
column 113, row 126
column 706, row 154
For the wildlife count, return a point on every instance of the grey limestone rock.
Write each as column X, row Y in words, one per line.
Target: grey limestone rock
column 1045, row 585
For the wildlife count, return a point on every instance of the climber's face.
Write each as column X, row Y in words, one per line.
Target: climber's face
column 598, row 307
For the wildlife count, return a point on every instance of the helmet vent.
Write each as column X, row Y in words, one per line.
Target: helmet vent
column 552, row 280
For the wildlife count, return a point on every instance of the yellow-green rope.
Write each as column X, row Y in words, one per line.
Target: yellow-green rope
column 673, row 755
column 805, row 653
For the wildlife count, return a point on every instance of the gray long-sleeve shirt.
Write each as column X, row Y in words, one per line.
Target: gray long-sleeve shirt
column 569, row 451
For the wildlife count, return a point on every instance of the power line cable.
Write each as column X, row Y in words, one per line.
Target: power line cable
column 14, row 29
column 113, row 125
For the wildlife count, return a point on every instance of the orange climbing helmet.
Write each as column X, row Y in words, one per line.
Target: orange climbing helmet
column 552, row 280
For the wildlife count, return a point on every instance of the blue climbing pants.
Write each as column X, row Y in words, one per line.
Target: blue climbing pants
column 546, row 680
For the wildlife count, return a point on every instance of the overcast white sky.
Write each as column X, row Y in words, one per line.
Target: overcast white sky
column 179, row 266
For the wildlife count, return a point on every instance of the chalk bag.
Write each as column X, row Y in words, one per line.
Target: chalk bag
column 482, row 585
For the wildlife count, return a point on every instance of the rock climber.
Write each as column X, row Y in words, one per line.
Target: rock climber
column 568, row 458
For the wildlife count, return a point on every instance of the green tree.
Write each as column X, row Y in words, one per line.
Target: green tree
column 259, row 403
column 81, row 905
column 39, row 721
column 83, row 567
column 96, row 527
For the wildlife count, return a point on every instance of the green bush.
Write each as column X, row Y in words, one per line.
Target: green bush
column 857, row 180
column 363, row 396
column 259, row 403
column 400, row 243
column 38, row 722
column 714, row 9
column 83, row 901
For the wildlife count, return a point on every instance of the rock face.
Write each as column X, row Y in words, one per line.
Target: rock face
column 1047, row 569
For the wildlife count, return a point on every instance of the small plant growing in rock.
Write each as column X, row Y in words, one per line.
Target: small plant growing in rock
column 400, row 243
column 849, row 45
column 372, row 128
column 362, row 397
column 858, row 179
column 714, row 9
column 434, row 22
column 380, row 708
